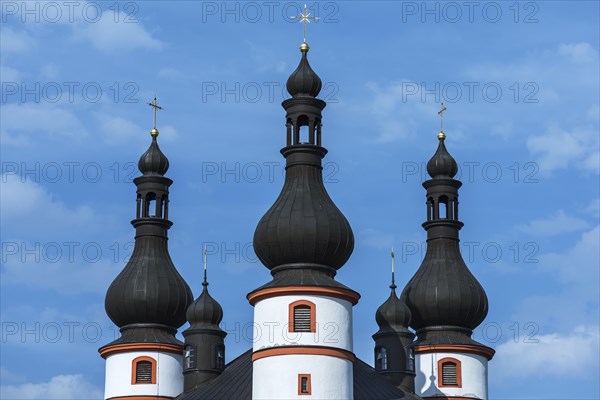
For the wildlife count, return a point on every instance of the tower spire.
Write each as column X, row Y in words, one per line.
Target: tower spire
column 393, row 285
column 148, row 299
column 204, row 255
column 445, row 322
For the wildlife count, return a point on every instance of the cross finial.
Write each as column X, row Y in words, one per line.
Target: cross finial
column 156, row 107
column 393, row 285
column 441, row 114
column 304, row 17
column 204, row 253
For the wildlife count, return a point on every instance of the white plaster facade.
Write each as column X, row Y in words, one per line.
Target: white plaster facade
column 169, row 375
column 276, row 378
column 473, row 369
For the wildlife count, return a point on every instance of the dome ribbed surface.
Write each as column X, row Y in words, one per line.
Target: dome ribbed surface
column 443, row 291
column 442, row 164
column 393, row 315
column 303, row 225
column 149, row 289
column 304, row 81
column 153, row 161
column 204, row 311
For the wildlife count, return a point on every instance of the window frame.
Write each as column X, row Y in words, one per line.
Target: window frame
column 457, row 365
column 134, row 366
column 383, row 351
column 308, row 385
column 313, row 315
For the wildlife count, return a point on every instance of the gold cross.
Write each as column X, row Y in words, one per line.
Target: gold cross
column 305, row 18
column 156, row 107
column 441, row 114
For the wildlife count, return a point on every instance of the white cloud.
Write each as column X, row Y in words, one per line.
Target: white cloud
column 377, row 239
column 170, row 73
column 61, row 387
column 15, row 42
column 579, row 52
column 554, row 355
column 560, row 149
column 24, row 123
column 8, row 74
column 555, row 224
column 112, row 33
column 117, row 130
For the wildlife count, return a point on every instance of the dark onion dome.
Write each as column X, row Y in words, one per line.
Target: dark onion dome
column 393, row 314
column 205, row 311
column 443, row 292
column 442, row 164
column 153, row 161
column 304, row 226
column 304, row 81
column 149, row 290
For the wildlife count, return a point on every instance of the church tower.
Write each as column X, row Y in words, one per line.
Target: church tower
column 204, row 348
column 394, row 354
column 149, row 298
column 303, row 317
column 445, row 299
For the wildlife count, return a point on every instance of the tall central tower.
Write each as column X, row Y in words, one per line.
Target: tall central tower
column 303, row 317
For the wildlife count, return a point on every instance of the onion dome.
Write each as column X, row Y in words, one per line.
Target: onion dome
column 304, row 226
column 442, row 164
column 205, row 310
column 393, row 314
column 304, row 81
column 149, row 290
column 444, row 292
column 153, row 161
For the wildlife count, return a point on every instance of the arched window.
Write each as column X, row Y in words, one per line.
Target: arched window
column 304, row 387
column 381, row 358
column 302, row 316
column 143, row 371
column 449, row 372
column 219, row 356
column 410, row 359
column 189, row 357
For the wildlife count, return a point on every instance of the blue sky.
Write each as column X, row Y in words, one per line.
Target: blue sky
column 521, row 83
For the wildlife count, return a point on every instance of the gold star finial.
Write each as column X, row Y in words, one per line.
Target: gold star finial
column 304, row 17
column 154, row 104
column 442, row 135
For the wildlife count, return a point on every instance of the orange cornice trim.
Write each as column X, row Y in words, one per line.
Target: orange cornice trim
column 344, row 294
column 456, row 348
column 121, row 348
column 303, row 350
column 140, row 398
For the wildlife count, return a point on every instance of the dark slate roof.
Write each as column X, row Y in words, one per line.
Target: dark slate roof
column 235, row 383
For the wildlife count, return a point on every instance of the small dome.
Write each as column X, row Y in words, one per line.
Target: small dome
column 205, row 310
column 153, row 161
column 393, row 314
column 304, row 81
column 442, row 164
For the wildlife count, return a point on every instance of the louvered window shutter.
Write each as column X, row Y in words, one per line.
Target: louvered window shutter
column 302, row 320
column 449, row 374
column 143, row 372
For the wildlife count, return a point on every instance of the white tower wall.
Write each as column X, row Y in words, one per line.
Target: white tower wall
column 473, row 370
column 333, row 323
column 276, row 378
column 169, row 375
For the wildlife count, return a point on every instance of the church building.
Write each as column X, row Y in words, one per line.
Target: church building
column 422, row 350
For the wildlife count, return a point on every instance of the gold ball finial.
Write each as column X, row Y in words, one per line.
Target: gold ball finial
column 304, row 47
column 441, row 135
column 154, row 132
